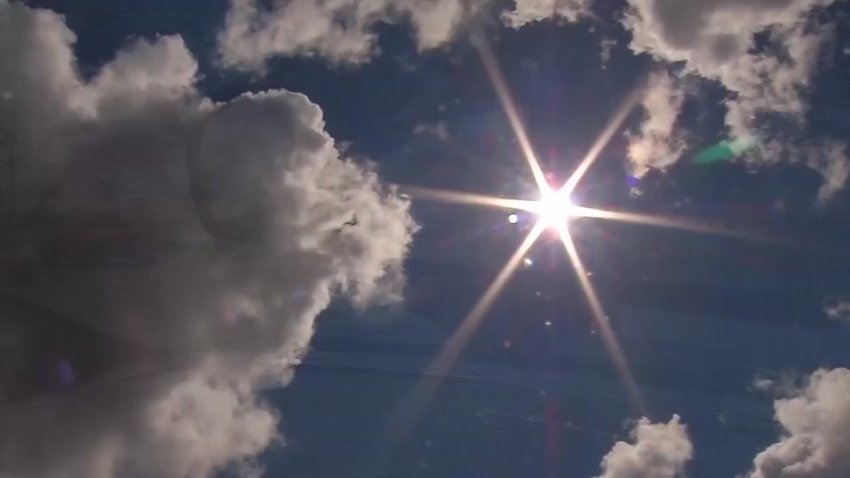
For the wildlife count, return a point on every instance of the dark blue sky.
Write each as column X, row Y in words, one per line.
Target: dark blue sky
column 698, row 317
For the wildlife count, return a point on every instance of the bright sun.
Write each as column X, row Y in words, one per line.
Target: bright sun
column 554, row 209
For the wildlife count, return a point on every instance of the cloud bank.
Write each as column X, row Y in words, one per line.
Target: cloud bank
column 657, row 450
column 815, row 421
column 207, row 324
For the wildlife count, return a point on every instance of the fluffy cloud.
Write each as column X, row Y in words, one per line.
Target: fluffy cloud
column 816, row 431
column 527, row 11
column 199, row 331
column 717, row 40
column 658, row 450
column 657, row 144
column 342, row 31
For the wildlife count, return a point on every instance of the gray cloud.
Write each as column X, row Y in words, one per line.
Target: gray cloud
column 656, row 450
column 439, row 129
column 837, row 309
column 815, row 421
column 197, row 332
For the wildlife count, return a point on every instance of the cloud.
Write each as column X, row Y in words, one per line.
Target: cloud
column 439, row 129
column 815, row 421
column 528, row 11
column 716, row 40
column 837, row 309
column 195, row 334
column 606, row 45
column 657, row 145
column 657, row 450
column 342, row 31
column 766, row 77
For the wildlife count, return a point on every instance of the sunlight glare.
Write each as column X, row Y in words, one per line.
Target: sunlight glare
column 554, row 208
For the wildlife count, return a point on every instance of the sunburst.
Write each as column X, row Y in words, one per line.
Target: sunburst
column 554, row 210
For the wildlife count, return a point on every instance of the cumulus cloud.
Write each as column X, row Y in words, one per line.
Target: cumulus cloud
column 657, row 145
column 342, row 31
column 815, row 421
column 765, row 77
column 657, row 450
column 249, row 221
column 716, row 39
column 528, row 11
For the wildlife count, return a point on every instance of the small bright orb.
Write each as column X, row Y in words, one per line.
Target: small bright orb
column 513, row 218
column 548, row 323
column 553, row 209
column 528, row 262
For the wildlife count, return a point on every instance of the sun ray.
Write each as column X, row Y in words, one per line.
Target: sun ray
column 602, row 141
column 671, row 223
column 443, row 195
column 554, row 210
column 418, row 399
column 609, row 339
column 491, row 66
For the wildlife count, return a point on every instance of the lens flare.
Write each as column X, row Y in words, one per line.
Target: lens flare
column 554, row 210
column 418, row 399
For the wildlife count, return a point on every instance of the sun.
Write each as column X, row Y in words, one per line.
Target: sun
column 554, row 209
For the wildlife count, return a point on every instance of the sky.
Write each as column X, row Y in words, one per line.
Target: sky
column 235, row 244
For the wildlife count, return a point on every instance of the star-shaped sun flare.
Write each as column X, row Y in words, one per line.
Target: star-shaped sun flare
column 553, row 210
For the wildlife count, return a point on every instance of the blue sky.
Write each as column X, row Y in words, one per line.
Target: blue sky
column 285, row 301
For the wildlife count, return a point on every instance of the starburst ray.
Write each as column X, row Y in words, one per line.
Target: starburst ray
column 443, row 195
column 609, row 339
column 613, row 126
column 422, row 393
column 671, row 223
column 491, row 66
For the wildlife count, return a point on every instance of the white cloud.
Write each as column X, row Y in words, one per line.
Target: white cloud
column 716, row 40
column 342, row 31
column 528, row 11
column 210, row 325
column 815, row 421
column 657, row 450
column 657, row 145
